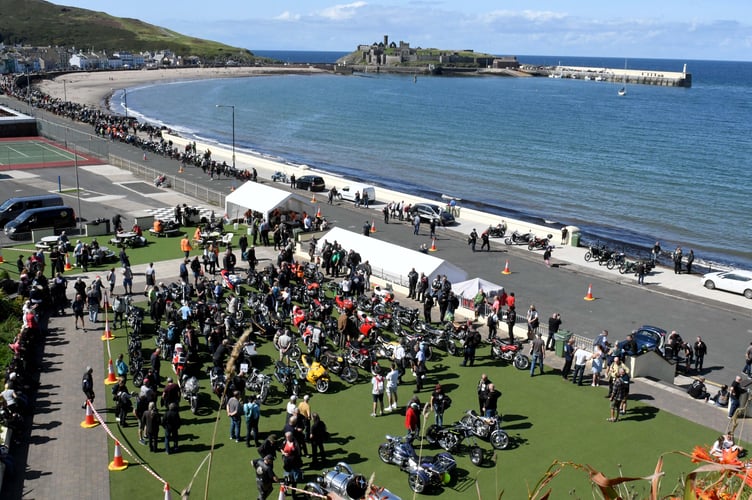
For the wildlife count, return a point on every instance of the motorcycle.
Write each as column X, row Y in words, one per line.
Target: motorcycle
column 314, row 372
column 539, row 243
column 497, row 231
column 517, row 238
column 616, row 259
column 286, row 376
column 259, row 383
column 598, row 253
column 631, row 266
column 343, row 484
column 509, row 353
column 218, row 383
column 487, row 428
column 422, row 474
column 451, row 437
column 360, row 356
column 189, row 388
column 338, row 365
column 442, row 338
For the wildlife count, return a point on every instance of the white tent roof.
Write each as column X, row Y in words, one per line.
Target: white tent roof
column 393, row 260
column 260, row 198
column 469, row 288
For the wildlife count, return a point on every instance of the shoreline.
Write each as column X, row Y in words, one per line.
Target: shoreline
column 96, row 87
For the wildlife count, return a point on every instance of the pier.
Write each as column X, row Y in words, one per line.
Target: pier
column 614, row 75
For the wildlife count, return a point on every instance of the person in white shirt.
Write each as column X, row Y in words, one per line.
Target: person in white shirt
column 377, row 391
column 581, row 357
column 392, row 381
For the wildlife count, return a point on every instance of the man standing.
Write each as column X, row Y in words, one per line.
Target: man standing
column 412, row 419
column 265, row 477
column 377, row 392
column 617, row 395
column 416, row 224
column 156, row 363
column 581, row 357
column 392, row 381
column 427, row 306
column 185, row 246
column 690, row 260
column 677, row 260
column 366, row 229
column 471, row 344
column 640, row 272
column 171, row 423
column 554, row 322
column 252, row 412
column 152, row 421
column 412, row 281
column 511, row 320
column 491, row 404
column 568, row 358
column 87, row 386
column 735, row 392
column 233, row 411
column 701, row 349
column 538, row 353
column 472, row 239
column 483, row 386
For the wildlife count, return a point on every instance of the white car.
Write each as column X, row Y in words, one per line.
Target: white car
column 731, row 281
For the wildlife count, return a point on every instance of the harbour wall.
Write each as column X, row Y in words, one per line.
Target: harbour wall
column 614, row 75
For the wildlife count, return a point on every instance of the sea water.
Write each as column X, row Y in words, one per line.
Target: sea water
column 659, row 164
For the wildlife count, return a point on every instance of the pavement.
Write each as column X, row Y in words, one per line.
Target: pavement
column 63, row 457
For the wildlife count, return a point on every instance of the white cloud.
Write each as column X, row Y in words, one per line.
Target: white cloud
column 341, row 12
column 287, row 16
column 534, row 16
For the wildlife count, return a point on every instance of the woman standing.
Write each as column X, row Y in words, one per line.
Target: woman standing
column 597, row 366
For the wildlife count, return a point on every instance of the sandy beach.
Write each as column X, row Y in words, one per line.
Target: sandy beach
column 93, row 88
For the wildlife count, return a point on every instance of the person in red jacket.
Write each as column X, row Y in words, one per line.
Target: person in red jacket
column 412, row 419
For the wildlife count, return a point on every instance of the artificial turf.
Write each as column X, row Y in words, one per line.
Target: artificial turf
column 547, row 419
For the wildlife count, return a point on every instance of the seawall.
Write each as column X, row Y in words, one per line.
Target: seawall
column 614, row 75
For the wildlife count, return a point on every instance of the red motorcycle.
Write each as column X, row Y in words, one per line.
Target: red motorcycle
column 509, row 353
column 539, row 243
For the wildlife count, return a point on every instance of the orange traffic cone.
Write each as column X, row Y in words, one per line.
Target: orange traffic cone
column 373, row 226
column 117, row 461
column 144, row 156
column 68, row 266
column 313, row 198
column 89, row 422
column 107, row 332
column 506, row 268
column 110, row 375
column 167, row 492
column 318, row 213
column 281, row 492
column 433, row 245
column 589, row 295
column 180, row 170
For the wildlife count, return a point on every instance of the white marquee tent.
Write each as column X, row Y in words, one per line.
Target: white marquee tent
column 393, row 261
column 261, row 198
column 466, row 290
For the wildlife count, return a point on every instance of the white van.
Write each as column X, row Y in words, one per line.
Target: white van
column 348, row 192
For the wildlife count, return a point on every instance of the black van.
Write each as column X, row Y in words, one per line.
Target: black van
column 58, row 218
column 13, row 207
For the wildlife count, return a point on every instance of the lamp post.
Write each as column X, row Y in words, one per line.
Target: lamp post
column 231, row 106
column 65, row 91
column 125, row 102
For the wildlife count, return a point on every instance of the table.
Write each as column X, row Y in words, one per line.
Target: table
column 125, row 239
column 47, row 242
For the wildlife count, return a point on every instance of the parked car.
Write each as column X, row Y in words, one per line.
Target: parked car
column 730, row 281
column 429, row 212
column 310, row 183
column 650, row 338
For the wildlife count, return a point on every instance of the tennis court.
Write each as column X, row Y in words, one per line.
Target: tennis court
column 36, row 152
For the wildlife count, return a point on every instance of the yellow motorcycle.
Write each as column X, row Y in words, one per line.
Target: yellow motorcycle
column 314, row 372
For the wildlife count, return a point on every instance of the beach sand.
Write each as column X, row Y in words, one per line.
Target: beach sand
column 94, row 88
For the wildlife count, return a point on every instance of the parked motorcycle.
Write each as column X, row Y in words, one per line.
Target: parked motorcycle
column 360, row 356
column 631, row 266
column 451, row 437
column 314, row 372
column 338, row 365
column 539, row 243
column 189, row 388
column 218, row 382
column 343, row 484
column 286, row 376
column 487, row 428
column 259, row 383
column 598, row 253
column 509, row 353
column 497, row 231
column 517, row 238
column 424, row 473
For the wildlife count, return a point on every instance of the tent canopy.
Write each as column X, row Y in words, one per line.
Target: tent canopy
column 469, row 288
column 393, row 260
column 261, row 198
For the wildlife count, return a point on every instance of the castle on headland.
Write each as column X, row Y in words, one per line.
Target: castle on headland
column 386, row 53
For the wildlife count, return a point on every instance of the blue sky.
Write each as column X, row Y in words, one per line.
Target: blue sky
column 682, row 29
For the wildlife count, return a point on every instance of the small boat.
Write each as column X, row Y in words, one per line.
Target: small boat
column 623, row 90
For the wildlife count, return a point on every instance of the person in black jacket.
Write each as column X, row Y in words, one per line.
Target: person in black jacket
column 171, row 423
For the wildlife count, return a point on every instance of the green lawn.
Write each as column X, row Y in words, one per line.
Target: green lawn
column 547, row 419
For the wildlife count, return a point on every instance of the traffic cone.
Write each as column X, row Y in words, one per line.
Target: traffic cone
column 68, row 266
column 180, row 170
column 167, row 492
column 373, row 226
column 144, row 156
column 506, row 268
column 318, row 214
column 89, row 422
column 110, row 374
column 589, row 295
column 117, row 461
column 313, row 197
column 281, row 492
column 433, row 245
column 107, row 332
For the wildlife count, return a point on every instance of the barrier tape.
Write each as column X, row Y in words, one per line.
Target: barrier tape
column 123, row 447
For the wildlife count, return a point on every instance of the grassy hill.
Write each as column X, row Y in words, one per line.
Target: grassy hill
column 40, row 23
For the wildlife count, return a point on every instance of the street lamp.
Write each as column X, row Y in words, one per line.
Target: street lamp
column 65, row 91
column 125, row 102
column 232, row 106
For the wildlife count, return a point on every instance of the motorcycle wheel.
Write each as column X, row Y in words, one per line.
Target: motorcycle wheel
column 350, row 374
column 588, row 256
column 448, row 441
column 264, row 393
column 294, row 353
column 623, row 268
column 295, row 389
column 476, row 455
column 507, row 241
column 416, row 482
column 138, row 379
column 530, row 246
column 499, row 439
column 610, row 264
column 194, row 404
column 334, row 365
column 451, row 347
column 429, row 353
column 480, row 428
column 385, row 453
column 322, row 385
column 432, row 434
column 521, row 362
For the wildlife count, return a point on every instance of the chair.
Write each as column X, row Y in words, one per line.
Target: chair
column 227, row 239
